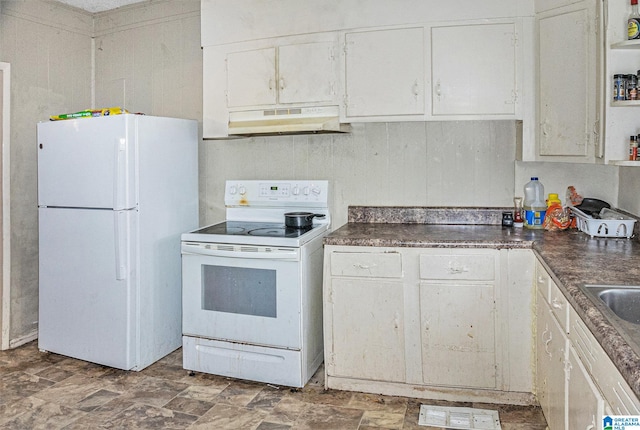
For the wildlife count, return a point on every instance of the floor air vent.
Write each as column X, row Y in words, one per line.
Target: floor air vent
column 459, row 418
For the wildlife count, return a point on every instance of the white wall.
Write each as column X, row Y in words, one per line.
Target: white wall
column 468, row 163
column 49, row 48
column 595, row 181
column 148, row 59
column 629, row 184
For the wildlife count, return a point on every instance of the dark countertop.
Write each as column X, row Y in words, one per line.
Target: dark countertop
column 572, row 257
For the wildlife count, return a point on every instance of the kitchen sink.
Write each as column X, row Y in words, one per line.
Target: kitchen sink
column 623, row 301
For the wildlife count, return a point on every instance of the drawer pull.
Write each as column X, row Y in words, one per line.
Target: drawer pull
column 457, row 270
column 364, row 266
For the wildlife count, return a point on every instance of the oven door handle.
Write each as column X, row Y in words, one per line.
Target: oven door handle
column 277, row 254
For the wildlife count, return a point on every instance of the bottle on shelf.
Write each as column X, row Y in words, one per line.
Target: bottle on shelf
column 633, row 22
column 632, row 91
column 633, row 148
column 534, row 206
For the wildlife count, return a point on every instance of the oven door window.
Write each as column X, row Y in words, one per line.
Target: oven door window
column 239, row 290
column 247, row 300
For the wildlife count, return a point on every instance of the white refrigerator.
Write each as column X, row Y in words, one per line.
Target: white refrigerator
column 114, row 195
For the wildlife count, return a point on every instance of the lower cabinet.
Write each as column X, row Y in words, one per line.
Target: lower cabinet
column 464, row 324
column 458, row 335
column 551, row 348
column 576, row 382
column 368, row 329
column 432, row 323
column 585, row 406
column 458, row 317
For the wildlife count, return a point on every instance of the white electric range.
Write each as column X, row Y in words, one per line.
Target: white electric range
column 252, row 287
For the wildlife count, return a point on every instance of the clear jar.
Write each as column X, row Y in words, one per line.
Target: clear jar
column 619, row 87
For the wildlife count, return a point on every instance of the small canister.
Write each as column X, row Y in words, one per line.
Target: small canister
column 507, row 219
column 619, row 87
column 632, row 83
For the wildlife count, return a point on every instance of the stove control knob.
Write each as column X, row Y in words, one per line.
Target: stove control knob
column 305, row 191
column 233, row 189
column 242, row 190
column 295, row 190
column 316, row 190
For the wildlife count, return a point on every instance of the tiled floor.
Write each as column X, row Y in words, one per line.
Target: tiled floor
column 49, row 391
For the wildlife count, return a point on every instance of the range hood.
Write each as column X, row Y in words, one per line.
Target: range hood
column 300, row 120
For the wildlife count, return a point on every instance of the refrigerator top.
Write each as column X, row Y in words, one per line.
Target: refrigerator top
column 97, row 163
column 87, row 163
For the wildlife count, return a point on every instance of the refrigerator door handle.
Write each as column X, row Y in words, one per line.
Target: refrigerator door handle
column 121, row 174
column 121, row 234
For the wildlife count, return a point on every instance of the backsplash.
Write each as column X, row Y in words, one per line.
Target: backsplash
column 427, row 215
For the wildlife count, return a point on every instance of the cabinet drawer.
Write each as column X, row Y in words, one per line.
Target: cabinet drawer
column 616, row 391
column 542, row 281
column 559, row 306
column 367, row 265
column 463, row 267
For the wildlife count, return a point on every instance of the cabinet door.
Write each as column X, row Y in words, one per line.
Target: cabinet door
column 307, row 73
column 367, row 329
column 474, row 69
column 385, row 72
column 567, row 83
column 551, row 347
column 457, row 324
column 585, row 404
column 251, row 78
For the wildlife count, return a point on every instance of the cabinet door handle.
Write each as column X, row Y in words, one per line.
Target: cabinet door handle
column 556, row 304
column 396, row 321
column 416, row 89
column 544, row 127
column 282, row 83
column 546, row 343
column 271, row 84
column 438, row 89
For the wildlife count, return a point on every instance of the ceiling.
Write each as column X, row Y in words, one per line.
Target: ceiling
column 94, row 6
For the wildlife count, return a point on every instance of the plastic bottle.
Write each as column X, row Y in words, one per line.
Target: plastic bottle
column 633, row 22
column 553, row 199
column 534, row 205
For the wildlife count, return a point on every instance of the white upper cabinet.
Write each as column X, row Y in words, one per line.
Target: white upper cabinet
column 569, row 91
column 307, row 73
column 384, row 72
column 474, row 70
column 288, row 74
column 406, row 60
column 251, row 78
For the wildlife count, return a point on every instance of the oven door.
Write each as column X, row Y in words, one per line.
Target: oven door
column 242, row 293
